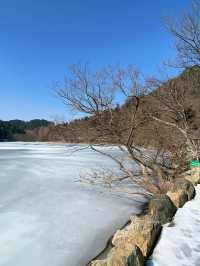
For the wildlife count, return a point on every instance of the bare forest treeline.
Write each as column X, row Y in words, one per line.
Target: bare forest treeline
column 85, row 130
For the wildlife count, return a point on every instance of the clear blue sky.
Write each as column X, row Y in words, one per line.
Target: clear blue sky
column 39, row 39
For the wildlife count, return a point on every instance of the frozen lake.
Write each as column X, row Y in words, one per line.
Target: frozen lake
column 46, row 217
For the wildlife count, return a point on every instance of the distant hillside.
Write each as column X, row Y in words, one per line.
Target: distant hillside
column 22, row 130
column 85, row 130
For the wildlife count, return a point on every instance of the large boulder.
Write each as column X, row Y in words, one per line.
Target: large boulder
column 122, row 257
column 182, row 184
column 161, row 209
column 179, row 198
column 99, row 263
column 142, row 232
column 181, row 191
column 125, row 257
column 193, row 176
column 136, row 258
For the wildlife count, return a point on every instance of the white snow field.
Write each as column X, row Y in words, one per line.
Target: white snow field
column 179, row 244
column 47, row 218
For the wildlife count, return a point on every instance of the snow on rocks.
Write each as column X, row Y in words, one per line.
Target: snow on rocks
column 180, row 241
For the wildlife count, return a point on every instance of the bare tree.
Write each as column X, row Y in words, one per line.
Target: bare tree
column 154, row 104
column 187, row 37
column 96, row 94
column 173, row 110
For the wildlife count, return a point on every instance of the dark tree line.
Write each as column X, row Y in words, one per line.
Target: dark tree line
column 9, row 128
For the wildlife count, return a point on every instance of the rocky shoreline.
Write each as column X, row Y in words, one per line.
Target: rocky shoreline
column 133, row 245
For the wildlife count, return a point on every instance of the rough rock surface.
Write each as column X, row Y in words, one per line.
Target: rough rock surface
column 122, row 257
column 142, row 232
column 161, row 209
column 99, row 263
column 193, row 176
column 185, row 186
column 136, row 241
column 182, row 191
column 179, row 198
column 136, row 258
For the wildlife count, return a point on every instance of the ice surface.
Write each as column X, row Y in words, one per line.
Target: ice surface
column 46, row 217
column 179, row 244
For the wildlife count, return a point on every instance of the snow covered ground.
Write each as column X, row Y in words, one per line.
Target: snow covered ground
column 180, row 243
column 49, row 219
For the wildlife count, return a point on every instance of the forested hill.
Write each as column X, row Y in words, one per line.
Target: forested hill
column 186, row 85
column 85, row 129
column 22, row 130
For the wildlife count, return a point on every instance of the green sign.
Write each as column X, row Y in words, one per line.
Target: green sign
column 194, row 163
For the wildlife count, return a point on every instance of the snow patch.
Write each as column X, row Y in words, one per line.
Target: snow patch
column 180, row 242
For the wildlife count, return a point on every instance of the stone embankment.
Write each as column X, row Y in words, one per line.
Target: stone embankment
column 132, row 245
